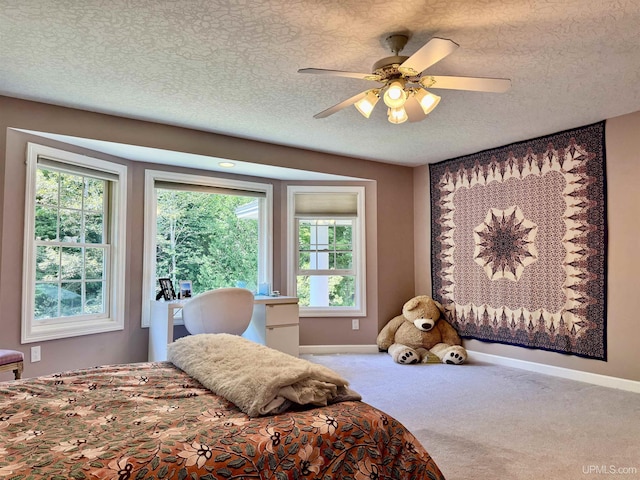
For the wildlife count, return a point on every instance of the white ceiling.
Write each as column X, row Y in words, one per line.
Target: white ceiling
column 230, row 67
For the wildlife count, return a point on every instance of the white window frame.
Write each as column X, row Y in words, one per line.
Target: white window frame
column 73, row 326
column 359, row 250
column 265, row 261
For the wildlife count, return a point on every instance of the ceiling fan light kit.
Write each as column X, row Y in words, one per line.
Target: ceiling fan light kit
column 404, row 83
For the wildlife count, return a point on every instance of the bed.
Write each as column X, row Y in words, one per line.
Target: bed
column 154, row 421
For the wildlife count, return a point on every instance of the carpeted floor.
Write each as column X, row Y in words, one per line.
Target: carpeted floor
column 488, row 422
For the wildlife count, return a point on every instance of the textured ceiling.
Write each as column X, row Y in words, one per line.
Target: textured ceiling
column 230, row 67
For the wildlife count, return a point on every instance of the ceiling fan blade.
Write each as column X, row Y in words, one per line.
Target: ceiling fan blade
column 339, row 73
column 475, row 84
column 414, row 110
column 341, row 105
column 430, row 53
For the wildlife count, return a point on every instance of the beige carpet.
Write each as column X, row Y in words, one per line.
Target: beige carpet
column 488, row 422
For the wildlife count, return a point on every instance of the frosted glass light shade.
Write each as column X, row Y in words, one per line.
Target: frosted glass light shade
column 397, row 115
column 395, row 95
column 365, row 105
column 427, row 100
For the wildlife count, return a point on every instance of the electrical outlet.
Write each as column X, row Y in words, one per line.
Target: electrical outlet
column 355, row 324
column 35, row 354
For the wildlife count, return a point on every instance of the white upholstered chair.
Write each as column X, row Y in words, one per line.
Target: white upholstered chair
column 224, row 310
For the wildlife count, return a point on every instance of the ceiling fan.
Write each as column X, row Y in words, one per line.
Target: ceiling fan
column 404, row 85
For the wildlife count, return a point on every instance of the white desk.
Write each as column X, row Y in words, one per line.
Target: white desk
column 275, row 323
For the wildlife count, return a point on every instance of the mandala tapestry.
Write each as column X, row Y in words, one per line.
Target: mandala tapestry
column 518, row 243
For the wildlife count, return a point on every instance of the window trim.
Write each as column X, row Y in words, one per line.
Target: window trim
column 359, row 246
column 32, row 331
column 265, row 263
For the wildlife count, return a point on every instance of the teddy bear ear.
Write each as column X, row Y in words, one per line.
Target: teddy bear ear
column 411, row 304
column 439, row 305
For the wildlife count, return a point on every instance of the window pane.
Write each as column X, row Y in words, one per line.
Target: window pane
column 94, row 264
column 70, row 225
column 342, row 291
column 47, row 263
column 320, row 260
column 343, row 237
column 331, row 230
column 46, row 226
column 326, row 291
column 71, row 265
column 303, row 290
column 94, row 302
column 71, row 190
column 344, row 261
column 70, row 299
column 93, row 228
column 305, row 261
column 46, row 187
column 94, row 194
column 319, row 235
column 332, row 261
column 46, row 301
column 201, row 238
column 304, row 232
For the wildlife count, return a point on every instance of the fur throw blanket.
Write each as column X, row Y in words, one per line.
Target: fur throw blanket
column 258, row 379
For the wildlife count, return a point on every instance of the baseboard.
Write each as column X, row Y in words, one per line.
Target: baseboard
column 593, row 378
column 324, row 349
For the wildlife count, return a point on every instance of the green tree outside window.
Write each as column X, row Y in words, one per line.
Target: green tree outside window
column 200, row 238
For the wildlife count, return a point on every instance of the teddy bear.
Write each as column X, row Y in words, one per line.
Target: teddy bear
column 421, row 335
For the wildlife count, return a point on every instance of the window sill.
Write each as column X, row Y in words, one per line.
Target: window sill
column 54, row 332
column 332, row 312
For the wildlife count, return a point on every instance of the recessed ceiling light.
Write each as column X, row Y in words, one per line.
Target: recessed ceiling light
column 227, row 164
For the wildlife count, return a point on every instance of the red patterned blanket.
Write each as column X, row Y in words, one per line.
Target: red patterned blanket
column 151, row 420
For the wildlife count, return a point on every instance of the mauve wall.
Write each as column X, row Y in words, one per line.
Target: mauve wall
column 623, row 293
column 390, row 268
column 390, row 275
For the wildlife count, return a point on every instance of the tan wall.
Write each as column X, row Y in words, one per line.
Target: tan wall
column 390, row 274
column 623, row 294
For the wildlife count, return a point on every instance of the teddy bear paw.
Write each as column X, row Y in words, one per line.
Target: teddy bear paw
column 454, row 355
column 404, row 355
column 408, row 358
column 453, row 358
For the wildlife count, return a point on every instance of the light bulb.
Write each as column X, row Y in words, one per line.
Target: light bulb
column 397, row 115
column 395, row 96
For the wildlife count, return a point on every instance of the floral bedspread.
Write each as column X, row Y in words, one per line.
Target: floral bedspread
column 153, row 421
